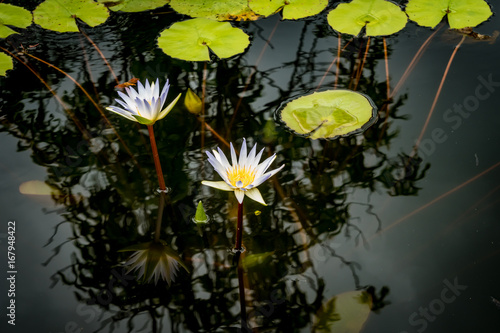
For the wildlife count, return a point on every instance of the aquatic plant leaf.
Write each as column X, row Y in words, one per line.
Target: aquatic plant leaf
column 292, row 9
column 461, row 13
column 255, row 259
column 191, row 40
column 380, row 17
column 214, row 9
column 61, row 15
column 37, row 187
column 131, row 6
column 329, row 114
column 13, row 16
column 344, row 313
column 5, row 63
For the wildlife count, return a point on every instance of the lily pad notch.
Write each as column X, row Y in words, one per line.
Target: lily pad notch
column 194, row 39
column 328, row 114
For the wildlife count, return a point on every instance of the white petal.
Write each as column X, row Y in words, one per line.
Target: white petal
column 240, row 195
column 266, row 176
column 223, row 160
column 121, row 112
column 254, row 194
column 264, row 165
column 251, row 156
column 234, row 160
column 218, row 185
column 243, row 153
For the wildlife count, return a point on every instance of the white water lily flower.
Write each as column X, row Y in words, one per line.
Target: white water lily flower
column 154, row 260
column 144, row 105
column 242, row 176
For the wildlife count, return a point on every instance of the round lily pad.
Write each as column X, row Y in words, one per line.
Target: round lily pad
column 328, row 114
column 61, row 15
column 131, row 6
column 191, row 40
column 13, row 16
column 380, row 17
column 214, row 9
column 292, row 9
column 461, row 13
column 5, row 63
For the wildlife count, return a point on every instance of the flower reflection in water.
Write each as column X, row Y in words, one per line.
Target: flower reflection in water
column 154, row 260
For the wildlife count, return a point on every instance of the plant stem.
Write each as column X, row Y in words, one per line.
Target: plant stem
column 161, row 206
column 156, row 158
column 239, row 228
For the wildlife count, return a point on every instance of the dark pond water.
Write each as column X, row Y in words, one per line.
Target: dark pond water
column 418, row 231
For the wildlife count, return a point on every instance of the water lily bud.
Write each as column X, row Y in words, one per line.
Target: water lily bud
column 192, row 102
column 200, row 216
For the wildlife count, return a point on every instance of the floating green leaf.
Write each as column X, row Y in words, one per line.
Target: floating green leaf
column 61, row 15
column 329, row 114
column 344, row 313
column 136, row 5
column 5, row 63
column 14, row 16
column 461, row 13
column 380, row 17
column 192, row 39
column 292, row 9
column 214, row 9
column 252, row 260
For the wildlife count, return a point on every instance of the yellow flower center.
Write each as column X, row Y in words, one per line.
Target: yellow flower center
column 241, row 176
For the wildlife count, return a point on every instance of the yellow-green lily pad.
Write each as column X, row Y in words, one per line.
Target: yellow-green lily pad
column 380, row 17
column 5, row 63
column 214, row 9
column 133, row 6
column 191, row 40
column 13, row 16
column 292, row 9
column 461, row 13
column 344, row 313
column 61, row 15
column 329, row 114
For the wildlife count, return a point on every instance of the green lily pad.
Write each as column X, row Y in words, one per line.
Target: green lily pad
column 191, row 40
column 5, row 63
column 61, row 15
column 380, row 17
column 214, row 9
column 461, row 13
column 292, row 9
column 132, row 6
column 14, row 16
column 344, row 313
column 329, row 114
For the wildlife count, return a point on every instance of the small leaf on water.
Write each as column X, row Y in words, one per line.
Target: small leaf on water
column 461, row 13
column 292, row 9
column 200, row 215
column 344, row 313
column 255, row 259
column 136, row 5
column 14, row 16
column 192, row 102
column 5, row 63
column 60, row 15
column 214, row 9
column 191, row 40
column 37, row 187
column 329, row 114
column 380, row 17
